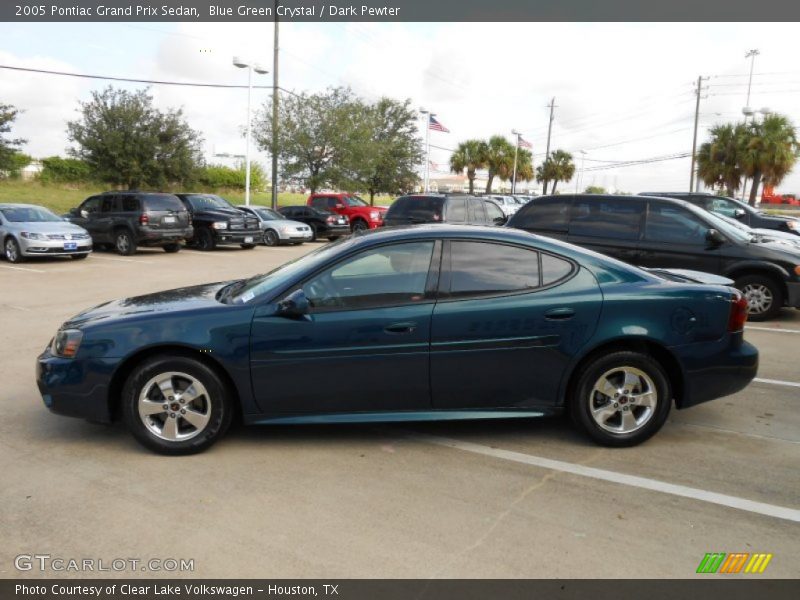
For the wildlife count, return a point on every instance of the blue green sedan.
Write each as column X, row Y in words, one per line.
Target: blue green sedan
column 421, row 323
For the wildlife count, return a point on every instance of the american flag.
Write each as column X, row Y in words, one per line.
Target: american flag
column 524, row 144
column 436, row 126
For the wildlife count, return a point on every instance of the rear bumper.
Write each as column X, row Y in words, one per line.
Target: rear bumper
column 337, row 231
column 154, row 237
column 713, row 375
column 793, row 294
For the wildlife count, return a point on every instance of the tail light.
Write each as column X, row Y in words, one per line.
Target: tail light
column 738, row 314
column 331, row 220
column 144, row 219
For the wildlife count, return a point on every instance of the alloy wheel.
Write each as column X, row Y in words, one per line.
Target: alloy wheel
column 759, row 298
column 12, row 252
column 270, row 238
column 623, row 400
column 123, row 243
column 174, row 406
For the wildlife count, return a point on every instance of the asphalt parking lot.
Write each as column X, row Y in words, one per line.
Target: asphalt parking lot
column 471, row 499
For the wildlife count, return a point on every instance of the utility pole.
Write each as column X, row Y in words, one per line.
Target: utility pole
column 552, row 105
column 698, row 91
column 275, row 98
column 749, row 112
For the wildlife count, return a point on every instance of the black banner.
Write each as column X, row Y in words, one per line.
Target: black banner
column 398, row 10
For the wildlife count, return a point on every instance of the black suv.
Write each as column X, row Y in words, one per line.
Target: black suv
column 730, row 207
column 130, row 219
column 443, row 208
column 323, row 223
column 216, row 221
column 666, row 233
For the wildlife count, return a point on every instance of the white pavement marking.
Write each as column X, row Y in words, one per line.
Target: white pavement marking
column 757, row 436
column 773, row 329
column 17, row 307
column 22, row 269
column 769, row 510
column 125, row 260
column 777, row 382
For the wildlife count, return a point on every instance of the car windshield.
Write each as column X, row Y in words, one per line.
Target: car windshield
column 268, row 214
column 354, row 201
column 207, row 201
column 29, row 214
column 733, row 222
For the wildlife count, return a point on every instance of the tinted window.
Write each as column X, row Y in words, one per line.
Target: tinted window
column 108, row 204
column 332, row 202
column 91, row 205
column 162, row 202
column 483, row 268
column 546, row 214
column 722, row 206
column 319, row 202
column 476, row 212
column 667, row 223
column 606, row 218
column 494, row 213
column 383, row 276
column 419, row 209
column 130, row 204
column 554, row 269
column 457, row 210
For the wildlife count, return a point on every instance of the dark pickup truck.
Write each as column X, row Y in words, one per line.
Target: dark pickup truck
column 216, row 221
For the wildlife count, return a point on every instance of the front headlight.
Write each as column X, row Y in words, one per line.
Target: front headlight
column 220, row 225
column 30, row 235
column 374, row 215
column 66, row 343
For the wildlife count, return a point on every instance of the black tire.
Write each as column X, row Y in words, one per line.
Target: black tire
column 764, row 296
column 359, row 225
column 313, row 232
column 333, row 239
column 271, row 238
column 124, row 243
column 11, row 250
column 216, row 404
column 248, row 246
column 172, row 248
column 204, row 240
column 79, row 256
column 616, row 410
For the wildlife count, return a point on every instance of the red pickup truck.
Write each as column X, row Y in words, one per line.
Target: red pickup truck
column 362, row 215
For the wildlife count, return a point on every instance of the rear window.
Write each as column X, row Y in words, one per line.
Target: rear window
column 424, row 209
column 546, row 214
column 162, row 202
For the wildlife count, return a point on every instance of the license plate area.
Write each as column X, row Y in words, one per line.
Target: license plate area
column 168, row 220
column 248, row 239
column 70, row 245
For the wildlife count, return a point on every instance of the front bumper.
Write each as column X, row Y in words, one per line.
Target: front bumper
column 710, row 375
column 54, row 247
column 248, row 236
column 294, row 236
column 75, row 388
column 793, row 294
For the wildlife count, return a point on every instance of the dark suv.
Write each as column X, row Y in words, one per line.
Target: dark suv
column 730, row 207
column 130, row 219
column 443, row 208
column 216, row 221
column 666, row 233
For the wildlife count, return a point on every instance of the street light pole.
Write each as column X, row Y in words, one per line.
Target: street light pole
column 238, row 62
column 275, row 100
column 516, row 152
column 751, row 54
column 580, row 173
column 698, row 92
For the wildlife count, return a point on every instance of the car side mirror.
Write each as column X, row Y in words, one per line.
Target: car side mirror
column 500, row 220
column 84, row 214
column 739, row 213
column 714, row 237
column 294, row 305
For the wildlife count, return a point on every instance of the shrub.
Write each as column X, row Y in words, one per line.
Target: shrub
column 64, row 170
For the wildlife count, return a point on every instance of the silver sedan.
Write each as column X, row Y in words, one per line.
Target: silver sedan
column 276, row 228
column 28, row 230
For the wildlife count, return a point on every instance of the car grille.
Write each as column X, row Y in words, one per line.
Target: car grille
column 72, row 236
column 251, row 223
column 236, row 224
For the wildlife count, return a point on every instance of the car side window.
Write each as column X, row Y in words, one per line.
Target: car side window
column 673, row 224
column 554, row 269
column 130, row 204
column 722, row 206
column 108, row 204
column 546, row 214
column 484, row 268
column 494, row 213
column 457, row 210
column 332, row 202
column 476, row 213
column 384, row 276
column 608, row 218
column 319, row 202
column 92, row 205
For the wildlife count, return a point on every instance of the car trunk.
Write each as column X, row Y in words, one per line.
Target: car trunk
column 164, row 213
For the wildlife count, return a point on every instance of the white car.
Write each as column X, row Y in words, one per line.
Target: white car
column 27, row 230
column 277, row 229
column 507, row 203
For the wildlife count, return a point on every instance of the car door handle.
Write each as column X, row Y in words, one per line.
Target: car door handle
column 398, row 328
column 559, row 314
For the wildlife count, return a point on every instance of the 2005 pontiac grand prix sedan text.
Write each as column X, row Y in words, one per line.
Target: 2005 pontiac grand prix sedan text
column 429, row 322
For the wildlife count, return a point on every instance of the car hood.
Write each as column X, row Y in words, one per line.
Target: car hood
column 283, row 223
column 221, row 213
column 180, row 299
column 367, row 209
column 47, row 227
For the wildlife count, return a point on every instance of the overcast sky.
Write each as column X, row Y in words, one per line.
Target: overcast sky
column 623, row 91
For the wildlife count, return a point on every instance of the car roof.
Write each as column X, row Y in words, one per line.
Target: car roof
column 20, row 205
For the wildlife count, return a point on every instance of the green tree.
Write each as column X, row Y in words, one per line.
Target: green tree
column 56, row 169
column 317, row 135
column 8, row 146
column 470, row 155
column 126, row 141
column 769, row 150
column 557, row 167
column 525, row 165
column 718, row 160
column 595, row 189
column 499, row 160
column 385, row 149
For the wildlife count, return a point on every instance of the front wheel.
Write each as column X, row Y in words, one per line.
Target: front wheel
column 764, row 296
column 621, row 399
column 123, row 242
column 175, row 405
column 204, row 240
column 359, row 225
column 271, row 238
column 12, row 251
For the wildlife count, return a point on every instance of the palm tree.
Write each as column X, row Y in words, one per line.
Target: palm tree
column 718, row 160
column 469, row 155
column 557, row 167
column 499, row 160
column 524, row 165
column 769, row 150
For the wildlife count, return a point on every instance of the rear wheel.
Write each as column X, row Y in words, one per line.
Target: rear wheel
column 764, row 296
column 271, row 238
column 170, row 248
column 12, row 251
column 621, row 399
column 176, row 405
column 204, row 240
column 359, row 225
column 123, row 242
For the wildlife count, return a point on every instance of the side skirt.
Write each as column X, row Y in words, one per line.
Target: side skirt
column 398, row 416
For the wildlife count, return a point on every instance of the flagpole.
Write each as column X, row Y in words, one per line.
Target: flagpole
column 516, row 151
column 427, row 151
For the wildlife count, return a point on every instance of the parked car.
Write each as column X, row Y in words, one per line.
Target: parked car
column 444, row 208
column 508, row 204
column 27, row 230
column 323, row 223
column 217, row 222
column 422, row 314
column 765, row 235
column 126, row 220
column 731, row 207
column 361, row 215
column 664, row 232
column 277, row 229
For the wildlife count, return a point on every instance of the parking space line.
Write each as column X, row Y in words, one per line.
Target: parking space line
column 776, row 329
column 16, row 307
column 757, row 436
column 777, row 382
column 125, row 260
column 22, row 269
column 762, row 508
